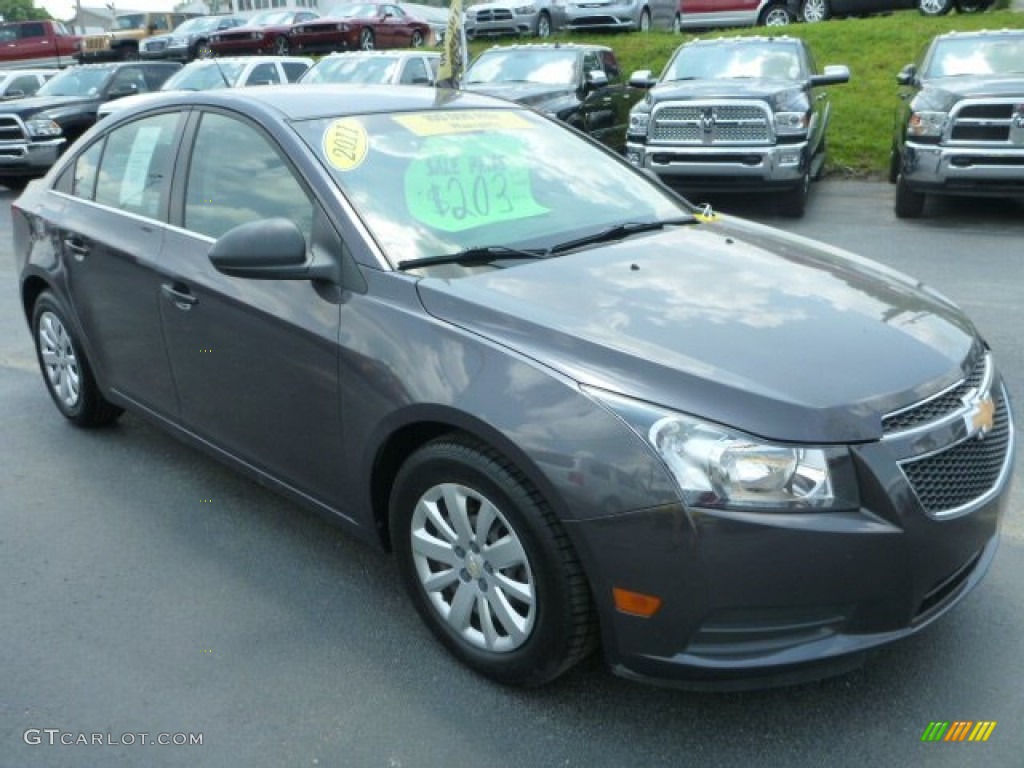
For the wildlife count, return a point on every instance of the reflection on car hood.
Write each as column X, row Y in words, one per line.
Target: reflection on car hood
column 691, row 90
column 961, row 87
column 34, row 104
column 738, row 323
column 527, row 94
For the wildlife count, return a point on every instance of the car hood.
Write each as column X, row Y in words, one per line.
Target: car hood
column 732, row 321
column 691, row 90
column 946, row 91
column 527, row 94
column 34, row 104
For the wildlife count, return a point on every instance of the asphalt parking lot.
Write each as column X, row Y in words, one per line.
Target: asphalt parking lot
column 146, row 590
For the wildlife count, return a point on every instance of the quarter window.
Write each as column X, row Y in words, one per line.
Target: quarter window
column 237, row 176
column 83, row 182
column 135, row 171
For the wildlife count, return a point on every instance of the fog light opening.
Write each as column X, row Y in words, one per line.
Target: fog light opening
column 635, row 603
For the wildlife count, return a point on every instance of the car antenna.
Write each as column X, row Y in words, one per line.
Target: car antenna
column 224, row 77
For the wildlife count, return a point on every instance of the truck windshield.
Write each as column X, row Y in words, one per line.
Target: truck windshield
column 77, row 81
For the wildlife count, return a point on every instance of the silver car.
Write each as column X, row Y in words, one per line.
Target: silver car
column 642, row 15
column 515, row 17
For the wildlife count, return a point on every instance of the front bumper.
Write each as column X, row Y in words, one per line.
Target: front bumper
column 963, row 170
column 518, row 25
column 23, row 158
column 616, row 17
column 759, row 599
column 723, row 167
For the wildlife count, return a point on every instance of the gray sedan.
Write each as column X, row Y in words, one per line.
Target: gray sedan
column 578, row 411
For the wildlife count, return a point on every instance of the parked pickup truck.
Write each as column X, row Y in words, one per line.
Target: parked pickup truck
column 960, row 126
column 736, row 113
column 121, row 43
column 581, row 85
column 36, row 44
column 34, row 131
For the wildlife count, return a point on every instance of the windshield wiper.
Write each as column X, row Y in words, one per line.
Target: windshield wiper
column 619, row 232
column 483, row 254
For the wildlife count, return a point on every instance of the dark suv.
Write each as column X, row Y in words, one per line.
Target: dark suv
column 960, row 126
column 581, row 85
column 34, row 131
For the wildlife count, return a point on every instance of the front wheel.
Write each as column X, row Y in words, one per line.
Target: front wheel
column 815, row 10
column 793, row 203
column 543, row 25
column 644, row 25
column 202, row 50
column 934, row 7
column 67, row 373
column 677, row 24
column 282, row 46
column 487, row 564
column 909, row 203
column 776, row 15
column 366, row 40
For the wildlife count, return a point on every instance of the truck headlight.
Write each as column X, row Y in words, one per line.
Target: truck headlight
column 927, row 123
column 715, row 466
column 42, row 128
column 790, row 123
column 638, row 123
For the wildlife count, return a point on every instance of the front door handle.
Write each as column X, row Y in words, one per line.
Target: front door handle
column 78, row 249
column 179, row 295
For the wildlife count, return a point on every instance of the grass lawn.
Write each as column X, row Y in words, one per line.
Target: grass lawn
column 874, row 49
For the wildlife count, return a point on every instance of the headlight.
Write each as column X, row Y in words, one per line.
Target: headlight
column 42, row 127
column 715, row 466
column 790, row 123
column 525, row 10
column 638, row 122
column 927, row 123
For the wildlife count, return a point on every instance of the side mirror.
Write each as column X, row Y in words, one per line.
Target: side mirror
column 268, row 249
column 124, row 90
column 642, row 78
column 834, row 74
column 907, row 75
column 595, row 79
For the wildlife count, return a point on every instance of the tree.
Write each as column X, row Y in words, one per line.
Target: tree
column 21, row 10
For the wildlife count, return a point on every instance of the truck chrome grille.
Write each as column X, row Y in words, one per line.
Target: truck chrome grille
column 11, row 128
column 711, row 123
column 986, row 122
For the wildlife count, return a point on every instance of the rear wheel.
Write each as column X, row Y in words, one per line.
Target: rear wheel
column 66, row 371
column 815, row 10
column 934, row 7
column 202, row 50
column 366, row 40
column 909, row 203
column 776, row 15
column 487, row 564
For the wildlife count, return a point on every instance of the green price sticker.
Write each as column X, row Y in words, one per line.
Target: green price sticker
column 466, row 181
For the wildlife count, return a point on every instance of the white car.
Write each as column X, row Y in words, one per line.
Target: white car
column 412, row 67
column 229, row 72
column 16, row 84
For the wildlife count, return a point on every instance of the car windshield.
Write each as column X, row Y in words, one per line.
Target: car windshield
column 432, row 184
column 77, row 81
column 729, row 60
column 973, row 56
column 270, row 17
column 352, row 69
column 552, row 67
column 130, row 21
column 199, row 24
column 204, row 75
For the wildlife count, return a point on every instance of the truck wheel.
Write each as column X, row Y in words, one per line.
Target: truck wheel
column 815, row 10
column 775, row 15
column 487, row 564
column 909, row 204
column 894, row 165
column 793, row 203
column 934, row 7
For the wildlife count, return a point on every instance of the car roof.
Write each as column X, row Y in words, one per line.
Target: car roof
column 250, row 59
column 549, row 47
column 303, row 101
column 779, row 39
column 977, row 33
column 390, row 54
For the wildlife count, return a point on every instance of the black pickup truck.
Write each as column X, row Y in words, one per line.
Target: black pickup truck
column 581, row 85
column 34, row 131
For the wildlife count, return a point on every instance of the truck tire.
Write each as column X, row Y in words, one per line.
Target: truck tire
column 909, row 203
column 793, row 202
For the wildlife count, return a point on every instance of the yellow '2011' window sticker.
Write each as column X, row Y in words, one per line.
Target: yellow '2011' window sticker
column 345, row 144
column 460, row 182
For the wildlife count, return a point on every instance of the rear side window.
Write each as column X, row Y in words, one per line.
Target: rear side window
column 293, row 70
column 135, row 170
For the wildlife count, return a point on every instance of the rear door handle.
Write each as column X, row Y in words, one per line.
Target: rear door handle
column 179, row 295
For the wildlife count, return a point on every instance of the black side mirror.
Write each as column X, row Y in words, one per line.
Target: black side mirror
column 907, row 75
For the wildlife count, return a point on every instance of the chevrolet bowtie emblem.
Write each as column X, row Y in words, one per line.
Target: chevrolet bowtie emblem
column 981, row 417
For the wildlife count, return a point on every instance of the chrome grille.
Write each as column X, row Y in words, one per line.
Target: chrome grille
column 955, row 477
column 938, row 407
column 11, row 128
column 711, row 123
column 986, row 122
column 497, row 14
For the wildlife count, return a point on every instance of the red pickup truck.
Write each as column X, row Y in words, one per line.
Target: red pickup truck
column 42, row 43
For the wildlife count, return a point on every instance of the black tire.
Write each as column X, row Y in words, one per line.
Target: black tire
column 677, row 24
column 644, row 25
column 812, row 11
column 894, row 165
column 553, row 629
column 366, row 41
column 282, row 46
column 775, row 15
column 65, row 369
column 909, row 203
column 130, row 53
column 934, row 7
column 417, row 39
column 201, row 50
column 543, row 25
column 793, row 202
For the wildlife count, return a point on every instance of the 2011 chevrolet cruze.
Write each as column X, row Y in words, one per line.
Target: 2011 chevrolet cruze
column 575, row 410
